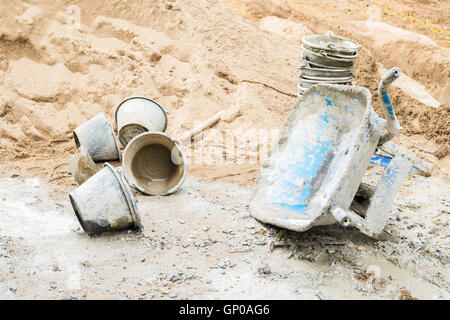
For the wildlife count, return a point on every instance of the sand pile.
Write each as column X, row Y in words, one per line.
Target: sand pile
column 56, row 75
column 58, row 69
column 419, row 57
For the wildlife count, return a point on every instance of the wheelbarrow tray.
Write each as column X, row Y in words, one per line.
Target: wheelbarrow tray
column 319, row 161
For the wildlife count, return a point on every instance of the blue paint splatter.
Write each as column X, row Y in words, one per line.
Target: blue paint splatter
column 388, row 103
column 324, row 117
column 307, row 168
column 285, row 190
column 381, row 160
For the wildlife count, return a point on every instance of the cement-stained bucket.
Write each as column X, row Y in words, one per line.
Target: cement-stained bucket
column 105, row 202
column 316, row 72
column 81, row 165
column 331, row 43
column 97, row 135
column 314, row 79
column 154, row 163
column 315, row 64
column 326, row 59
column 136, row 115
column 307, row 83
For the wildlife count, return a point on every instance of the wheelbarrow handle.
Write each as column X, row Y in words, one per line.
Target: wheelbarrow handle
column 392, row 124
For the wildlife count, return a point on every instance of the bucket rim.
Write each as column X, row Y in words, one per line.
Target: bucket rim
column 337, row 59
column 308, row 78
column 309, row 41
column 327, row 81
column 305, row 66
column 145, row 98
column 78, row 214
column 132, row 203
column 306, row 59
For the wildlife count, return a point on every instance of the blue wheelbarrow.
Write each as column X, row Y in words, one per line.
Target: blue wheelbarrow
column 313, row 173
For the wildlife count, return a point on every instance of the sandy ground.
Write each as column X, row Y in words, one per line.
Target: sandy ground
column 58, row 69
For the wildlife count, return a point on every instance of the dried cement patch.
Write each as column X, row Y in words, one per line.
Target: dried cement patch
column 209, row 249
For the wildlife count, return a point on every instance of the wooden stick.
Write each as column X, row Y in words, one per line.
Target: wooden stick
column 227, row 115
column 211, row 121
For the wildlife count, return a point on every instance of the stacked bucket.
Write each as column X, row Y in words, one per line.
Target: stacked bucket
column 327, row 59
column 153, row 163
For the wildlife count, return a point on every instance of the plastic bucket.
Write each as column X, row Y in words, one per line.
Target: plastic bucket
column 154, row 163
column 136, row 115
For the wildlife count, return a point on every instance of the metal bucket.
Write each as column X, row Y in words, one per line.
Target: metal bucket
column 331, row 43
column 82, row 166
column 310, row 71
column 313, row 64
column 333, row 54
column 154, row 163
column 326, row 59
column 136, row 115
column 97, row 135
column 307, row 83
column 105, row 203
column 327, row 80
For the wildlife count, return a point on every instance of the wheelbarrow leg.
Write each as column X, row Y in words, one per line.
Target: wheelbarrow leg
column 381, row 201
column 383, row 197
column 424, row 168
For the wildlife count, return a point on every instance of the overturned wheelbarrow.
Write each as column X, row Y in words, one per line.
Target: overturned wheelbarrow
column 313, row 173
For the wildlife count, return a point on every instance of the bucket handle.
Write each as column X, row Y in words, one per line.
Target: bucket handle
column 339, row 56
column 330, row 34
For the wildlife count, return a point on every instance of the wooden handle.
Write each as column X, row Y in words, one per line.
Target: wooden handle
column 188, row 136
